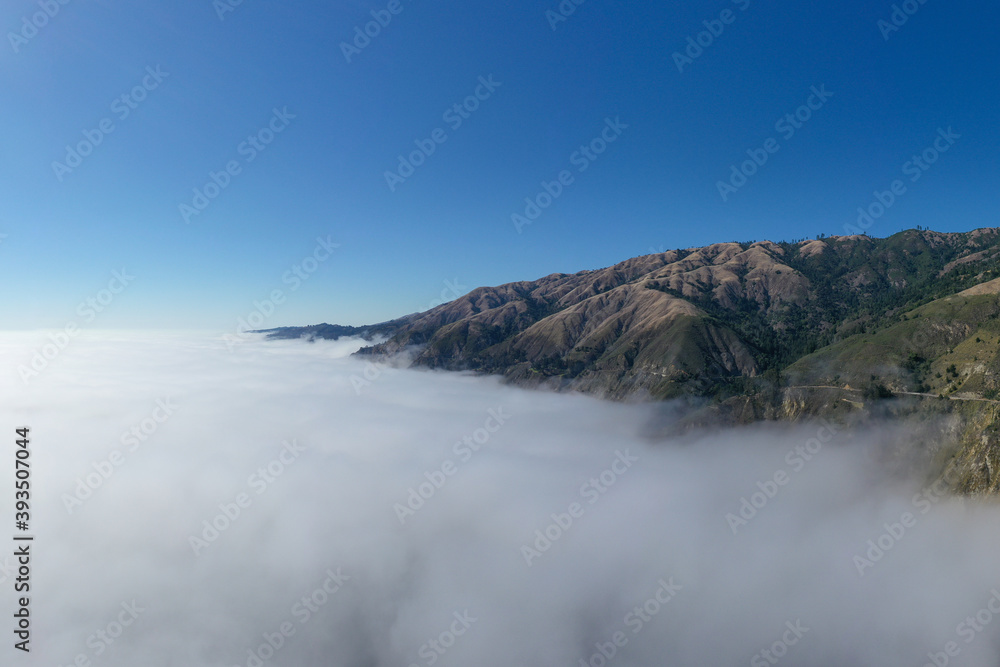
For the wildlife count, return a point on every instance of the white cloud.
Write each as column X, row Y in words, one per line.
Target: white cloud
column 461, row 551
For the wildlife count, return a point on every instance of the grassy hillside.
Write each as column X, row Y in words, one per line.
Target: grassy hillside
column 752, row 330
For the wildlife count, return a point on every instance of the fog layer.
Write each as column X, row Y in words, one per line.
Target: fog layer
column 283, row 503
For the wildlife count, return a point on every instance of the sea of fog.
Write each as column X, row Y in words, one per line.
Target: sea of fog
column 284, row 503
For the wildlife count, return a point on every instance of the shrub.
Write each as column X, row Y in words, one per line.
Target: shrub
column 875, row 390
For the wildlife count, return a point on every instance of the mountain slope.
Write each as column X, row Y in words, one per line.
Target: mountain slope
column 695, row 321
column 761, row 330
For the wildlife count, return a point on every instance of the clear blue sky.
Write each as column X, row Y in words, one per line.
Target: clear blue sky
column 323, row 175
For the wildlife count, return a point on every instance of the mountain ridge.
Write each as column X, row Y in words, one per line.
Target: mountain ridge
column 687, row 321
column 749, row 331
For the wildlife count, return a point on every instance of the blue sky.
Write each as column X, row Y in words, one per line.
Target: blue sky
column 342, row 125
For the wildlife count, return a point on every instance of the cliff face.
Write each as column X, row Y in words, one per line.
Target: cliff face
column 762, row 330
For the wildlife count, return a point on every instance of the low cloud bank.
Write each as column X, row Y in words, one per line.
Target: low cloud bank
column 285, row 504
